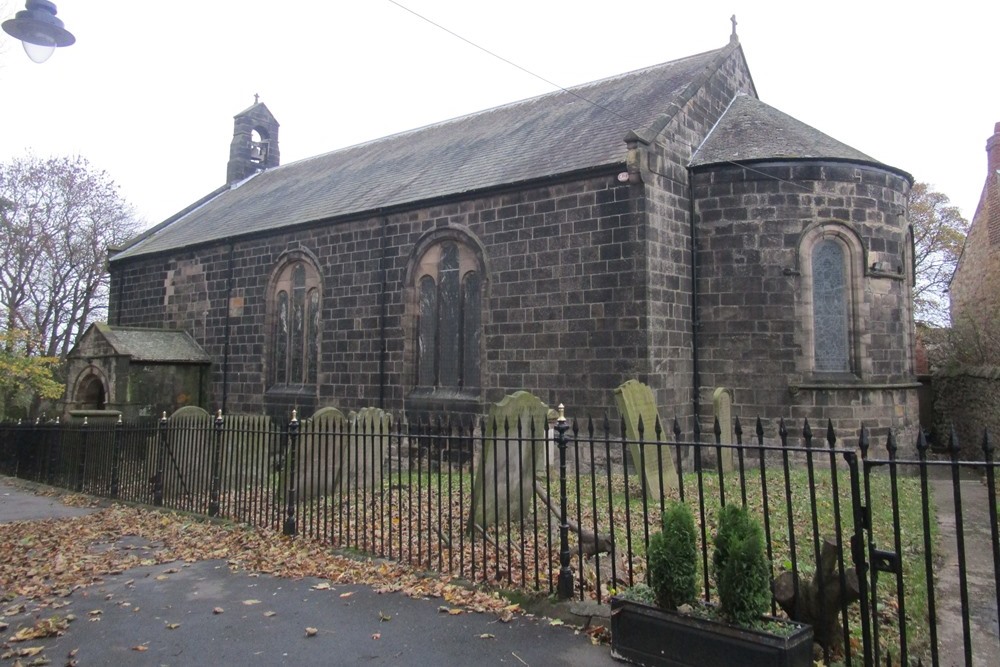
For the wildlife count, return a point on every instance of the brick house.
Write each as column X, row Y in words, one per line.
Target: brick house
column 975, row 286
column 663, row 224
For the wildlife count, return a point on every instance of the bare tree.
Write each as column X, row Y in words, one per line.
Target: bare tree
column 938, row 234
column 58, row 217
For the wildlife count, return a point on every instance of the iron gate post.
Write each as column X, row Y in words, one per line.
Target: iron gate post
column 214, row 492
column 81, row 462
column 289, row 525
column 858, row 555
column 161, row 462
column 565, row 585
column 116, row 459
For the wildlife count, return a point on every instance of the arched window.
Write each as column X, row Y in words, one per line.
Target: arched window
column 831, row 259
column 294, row 305
column 448, row 288
column 830, row 316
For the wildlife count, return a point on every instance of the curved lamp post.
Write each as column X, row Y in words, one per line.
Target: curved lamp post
column 38, row 29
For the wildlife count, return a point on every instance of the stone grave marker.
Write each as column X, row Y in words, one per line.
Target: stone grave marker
column 635, row 400
column 510, row 459
column 722, row 407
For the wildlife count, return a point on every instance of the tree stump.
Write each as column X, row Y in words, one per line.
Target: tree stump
column 819, row 601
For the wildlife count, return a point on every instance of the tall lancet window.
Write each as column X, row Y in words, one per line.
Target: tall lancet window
column 830, row 314
column 448, row 285
column 295, row 324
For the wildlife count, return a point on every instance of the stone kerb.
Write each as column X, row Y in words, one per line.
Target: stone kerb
column 515, row 450
column 635, row 401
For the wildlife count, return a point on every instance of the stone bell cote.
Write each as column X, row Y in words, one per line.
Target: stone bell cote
column 255, row 142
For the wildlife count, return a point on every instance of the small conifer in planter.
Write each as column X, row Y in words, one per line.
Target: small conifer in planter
column 742, row 572
column 673, row 558
column 660, row 636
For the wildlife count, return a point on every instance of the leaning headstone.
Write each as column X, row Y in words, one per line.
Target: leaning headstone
column 635, row 401
column 514, row 451
column 722, row 406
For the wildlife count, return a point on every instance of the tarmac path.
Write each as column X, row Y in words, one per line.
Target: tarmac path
column 205, row 613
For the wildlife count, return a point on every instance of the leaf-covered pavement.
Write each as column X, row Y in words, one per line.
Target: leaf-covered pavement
column 48, row 559
column 46, row 564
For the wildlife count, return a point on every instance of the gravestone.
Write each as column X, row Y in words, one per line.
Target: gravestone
column 338, row 454
column 189, row 412
column 183, row 461
column 248, row 443
column 722, row 406
column 515, row 450
column 368, row 448
column 322, row 441
column 656, row 461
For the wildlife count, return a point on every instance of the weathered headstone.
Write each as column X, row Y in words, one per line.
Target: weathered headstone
column 337, row 454
column 182, row 457
column 189, row 412
column 635, row 401
column 368, row 448
column 322, row 441
column 722, row 406
column 248, row 441
column 514, row 451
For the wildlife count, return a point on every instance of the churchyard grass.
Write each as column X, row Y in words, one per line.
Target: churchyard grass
column 420, row 516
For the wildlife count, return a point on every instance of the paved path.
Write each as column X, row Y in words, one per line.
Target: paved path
column 355, row 625
column 981, row 580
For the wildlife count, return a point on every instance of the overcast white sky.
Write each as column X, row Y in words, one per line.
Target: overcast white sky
column 150, row 88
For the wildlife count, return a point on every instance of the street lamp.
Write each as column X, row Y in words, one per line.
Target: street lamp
column 38, row 29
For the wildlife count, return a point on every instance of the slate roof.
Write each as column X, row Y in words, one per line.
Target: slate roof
column 543, row 136
column 154, row 345
column 752, row 130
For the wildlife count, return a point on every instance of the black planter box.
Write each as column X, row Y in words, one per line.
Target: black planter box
column 654, row 637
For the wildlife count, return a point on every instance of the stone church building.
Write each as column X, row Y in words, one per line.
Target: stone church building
column 663, row 224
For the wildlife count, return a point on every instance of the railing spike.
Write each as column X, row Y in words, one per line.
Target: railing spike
column 921, row 440
column 831, row 435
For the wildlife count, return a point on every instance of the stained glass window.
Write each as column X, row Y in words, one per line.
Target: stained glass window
column 295, row 328
column 830, row 298
column 449, row 319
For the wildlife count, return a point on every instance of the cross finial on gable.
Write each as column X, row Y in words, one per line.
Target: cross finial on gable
column 733, row 36
column 256, row 98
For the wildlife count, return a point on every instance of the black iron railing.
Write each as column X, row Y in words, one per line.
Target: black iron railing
column 872, row 541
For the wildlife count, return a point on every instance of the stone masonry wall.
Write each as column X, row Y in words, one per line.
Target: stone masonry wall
column 969, row 400
column 756, row 318
column 664, row 172
column 562, row 298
